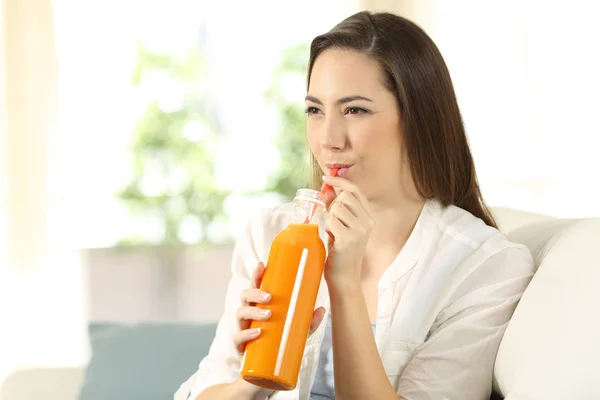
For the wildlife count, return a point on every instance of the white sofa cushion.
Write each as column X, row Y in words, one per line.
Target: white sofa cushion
column 47, row 383
column 551, row 349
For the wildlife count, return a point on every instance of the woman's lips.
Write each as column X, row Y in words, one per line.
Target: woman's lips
column 342, row 169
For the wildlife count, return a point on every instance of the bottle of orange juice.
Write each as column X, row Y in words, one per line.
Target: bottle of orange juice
column 292, row 276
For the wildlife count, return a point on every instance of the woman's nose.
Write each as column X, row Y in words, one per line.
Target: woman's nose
column 333, row 136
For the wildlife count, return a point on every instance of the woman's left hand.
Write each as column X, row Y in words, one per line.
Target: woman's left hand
column 349, row 225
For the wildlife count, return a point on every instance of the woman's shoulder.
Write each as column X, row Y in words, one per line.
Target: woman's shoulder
column 271, row 219
column 264, row 225
column 459, row 231
column 455, row 222
column 471, row 259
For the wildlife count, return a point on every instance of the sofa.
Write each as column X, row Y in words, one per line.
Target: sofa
column 550, row 351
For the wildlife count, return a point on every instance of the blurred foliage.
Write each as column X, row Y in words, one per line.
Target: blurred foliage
column 290, row 140
column 173, row 177
column 174, row 180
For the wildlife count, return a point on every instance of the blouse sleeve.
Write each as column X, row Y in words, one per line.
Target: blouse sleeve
column 222, row 364
column 456, row 361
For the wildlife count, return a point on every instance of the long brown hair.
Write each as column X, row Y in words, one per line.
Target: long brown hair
column 438, row 151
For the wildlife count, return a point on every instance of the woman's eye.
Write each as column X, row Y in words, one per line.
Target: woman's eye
column 312, row 110
column 355, row 110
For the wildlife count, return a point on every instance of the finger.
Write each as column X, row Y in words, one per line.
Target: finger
column 241, row 338
column 334, row 228
column 257, row 275
column 341, row 183
column 252, row 314
column 343, row 214
column 246, row 314
column 347, row 186
column 330, row 241
column 253, row 296
column 351, row 202
column 316, row 319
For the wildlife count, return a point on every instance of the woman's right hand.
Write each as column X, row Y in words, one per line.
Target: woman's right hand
column 249, row 312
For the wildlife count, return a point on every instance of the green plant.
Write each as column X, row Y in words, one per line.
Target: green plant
column 174, row 182
column 173, row 165
column 290, row 139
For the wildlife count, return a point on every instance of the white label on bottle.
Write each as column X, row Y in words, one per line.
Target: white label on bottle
column 291, row 311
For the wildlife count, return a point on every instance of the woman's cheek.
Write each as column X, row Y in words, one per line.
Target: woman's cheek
column 313, row 140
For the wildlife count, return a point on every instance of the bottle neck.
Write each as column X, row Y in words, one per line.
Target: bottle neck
column 308, row 208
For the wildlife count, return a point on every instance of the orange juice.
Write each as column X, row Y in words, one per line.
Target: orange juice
column 292, row 276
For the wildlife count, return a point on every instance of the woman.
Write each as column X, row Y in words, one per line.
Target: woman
column 419, row 283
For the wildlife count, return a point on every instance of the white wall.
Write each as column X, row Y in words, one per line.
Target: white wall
column 526, row 78
column 42, row 311
column 525, row 72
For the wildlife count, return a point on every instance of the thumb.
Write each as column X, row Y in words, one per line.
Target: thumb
column 316, row 319
column 330, row 241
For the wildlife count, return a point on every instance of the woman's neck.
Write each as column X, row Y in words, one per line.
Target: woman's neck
column 393, row 223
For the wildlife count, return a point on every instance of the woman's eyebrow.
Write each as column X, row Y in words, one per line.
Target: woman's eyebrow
column 343, row 100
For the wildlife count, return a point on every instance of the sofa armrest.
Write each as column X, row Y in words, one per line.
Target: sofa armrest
column 37, row 383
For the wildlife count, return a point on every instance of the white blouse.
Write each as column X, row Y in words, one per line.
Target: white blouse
column 443, row 306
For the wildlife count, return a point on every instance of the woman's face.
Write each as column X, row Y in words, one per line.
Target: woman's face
column 354, row 123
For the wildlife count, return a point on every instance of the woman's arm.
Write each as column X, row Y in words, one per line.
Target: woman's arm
column 358, row 370
column 456, row 361
column 218, row 374
column 238, row 390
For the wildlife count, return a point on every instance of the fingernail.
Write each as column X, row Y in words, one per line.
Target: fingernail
column 255, row 332
column 264, row 312
column 324, row 177
column 266, row 296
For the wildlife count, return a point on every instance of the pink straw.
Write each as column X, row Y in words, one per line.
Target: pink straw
column 324, row 189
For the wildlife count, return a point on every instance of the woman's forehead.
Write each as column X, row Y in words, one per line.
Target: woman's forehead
column 345, row 73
